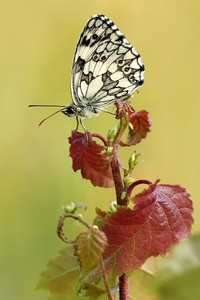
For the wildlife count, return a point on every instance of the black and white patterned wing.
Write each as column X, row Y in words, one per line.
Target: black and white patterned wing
column 106, row 67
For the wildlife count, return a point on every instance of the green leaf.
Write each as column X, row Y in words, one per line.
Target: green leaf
column 93, row 292
column 61, row 276
column 139, row 284
column 89, row 246
column 179, row 277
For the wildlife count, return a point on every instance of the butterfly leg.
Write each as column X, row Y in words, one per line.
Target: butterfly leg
column 81, row 122
column 86, row 132
column 77, row 123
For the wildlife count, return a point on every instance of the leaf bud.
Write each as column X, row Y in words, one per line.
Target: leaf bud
column 128, row 180
column 112, row 134
column 70, row 208
column 113, row 206
column 133, row 161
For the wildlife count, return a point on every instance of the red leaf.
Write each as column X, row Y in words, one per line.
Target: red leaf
column 88, row 156
column 162, row 216
column 139, row 127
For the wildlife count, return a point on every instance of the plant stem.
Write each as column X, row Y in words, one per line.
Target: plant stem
column 99, row 137
column 133, row 185
column 119, row 186
column 123, row 287
column 105, row 279
column 117, row 176
column 60, row 225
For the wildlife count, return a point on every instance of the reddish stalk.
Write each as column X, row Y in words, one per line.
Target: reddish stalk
column 133, row 185
column 123, row 287
column 119, row 188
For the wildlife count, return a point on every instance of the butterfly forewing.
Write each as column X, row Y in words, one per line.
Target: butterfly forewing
column 106, row 67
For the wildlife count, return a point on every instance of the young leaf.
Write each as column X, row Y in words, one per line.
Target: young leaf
column 162, row 216
column 89, row 246
column 90, row 158
column 139, row 126
column 123, row 107
column 61, row 275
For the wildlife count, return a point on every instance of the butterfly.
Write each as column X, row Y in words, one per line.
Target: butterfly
column 106, row 67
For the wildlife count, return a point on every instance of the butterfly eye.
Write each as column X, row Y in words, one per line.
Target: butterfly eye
column 95, row 57
column 95, row 36
column 69, row 111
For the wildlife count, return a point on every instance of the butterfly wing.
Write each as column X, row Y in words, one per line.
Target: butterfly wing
column 106, row 67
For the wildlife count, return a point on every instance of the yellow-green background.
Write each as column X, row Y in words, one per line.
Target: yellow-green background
column 37, row 42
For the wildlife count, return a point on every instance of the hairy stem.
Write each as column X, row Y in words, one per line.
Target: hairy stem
column 61, row 221
column 123, row 287
column 133, row 185
column 117, row 176
column 105, row 279
column 99, row 137
column 119, row 186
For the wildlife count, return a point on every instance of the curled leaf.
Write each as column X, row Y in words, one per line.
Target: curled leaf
column 139, row 126
column 91, row 158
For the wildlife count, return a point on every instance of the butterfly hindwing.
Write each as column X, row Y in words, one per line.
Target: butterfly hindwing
column 105, row 67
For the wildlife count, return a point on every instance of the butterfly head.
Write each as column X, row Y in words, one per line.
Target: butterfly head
column 70, row 110
column 86, row 111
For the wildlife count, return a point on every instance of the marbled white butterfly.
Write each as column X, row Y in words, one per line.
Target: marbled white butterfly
column 105, row 68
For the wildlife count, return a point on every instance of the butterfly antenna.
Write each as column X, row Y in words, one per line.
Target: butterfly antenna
column 47, row 105
column 50, row 116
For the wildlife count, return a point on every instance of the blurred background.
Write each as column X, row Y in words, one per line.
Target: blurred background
column 38, row 40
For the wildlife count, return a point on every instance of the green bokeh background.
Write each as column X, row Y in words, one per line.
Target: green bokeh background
column 38, row 39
